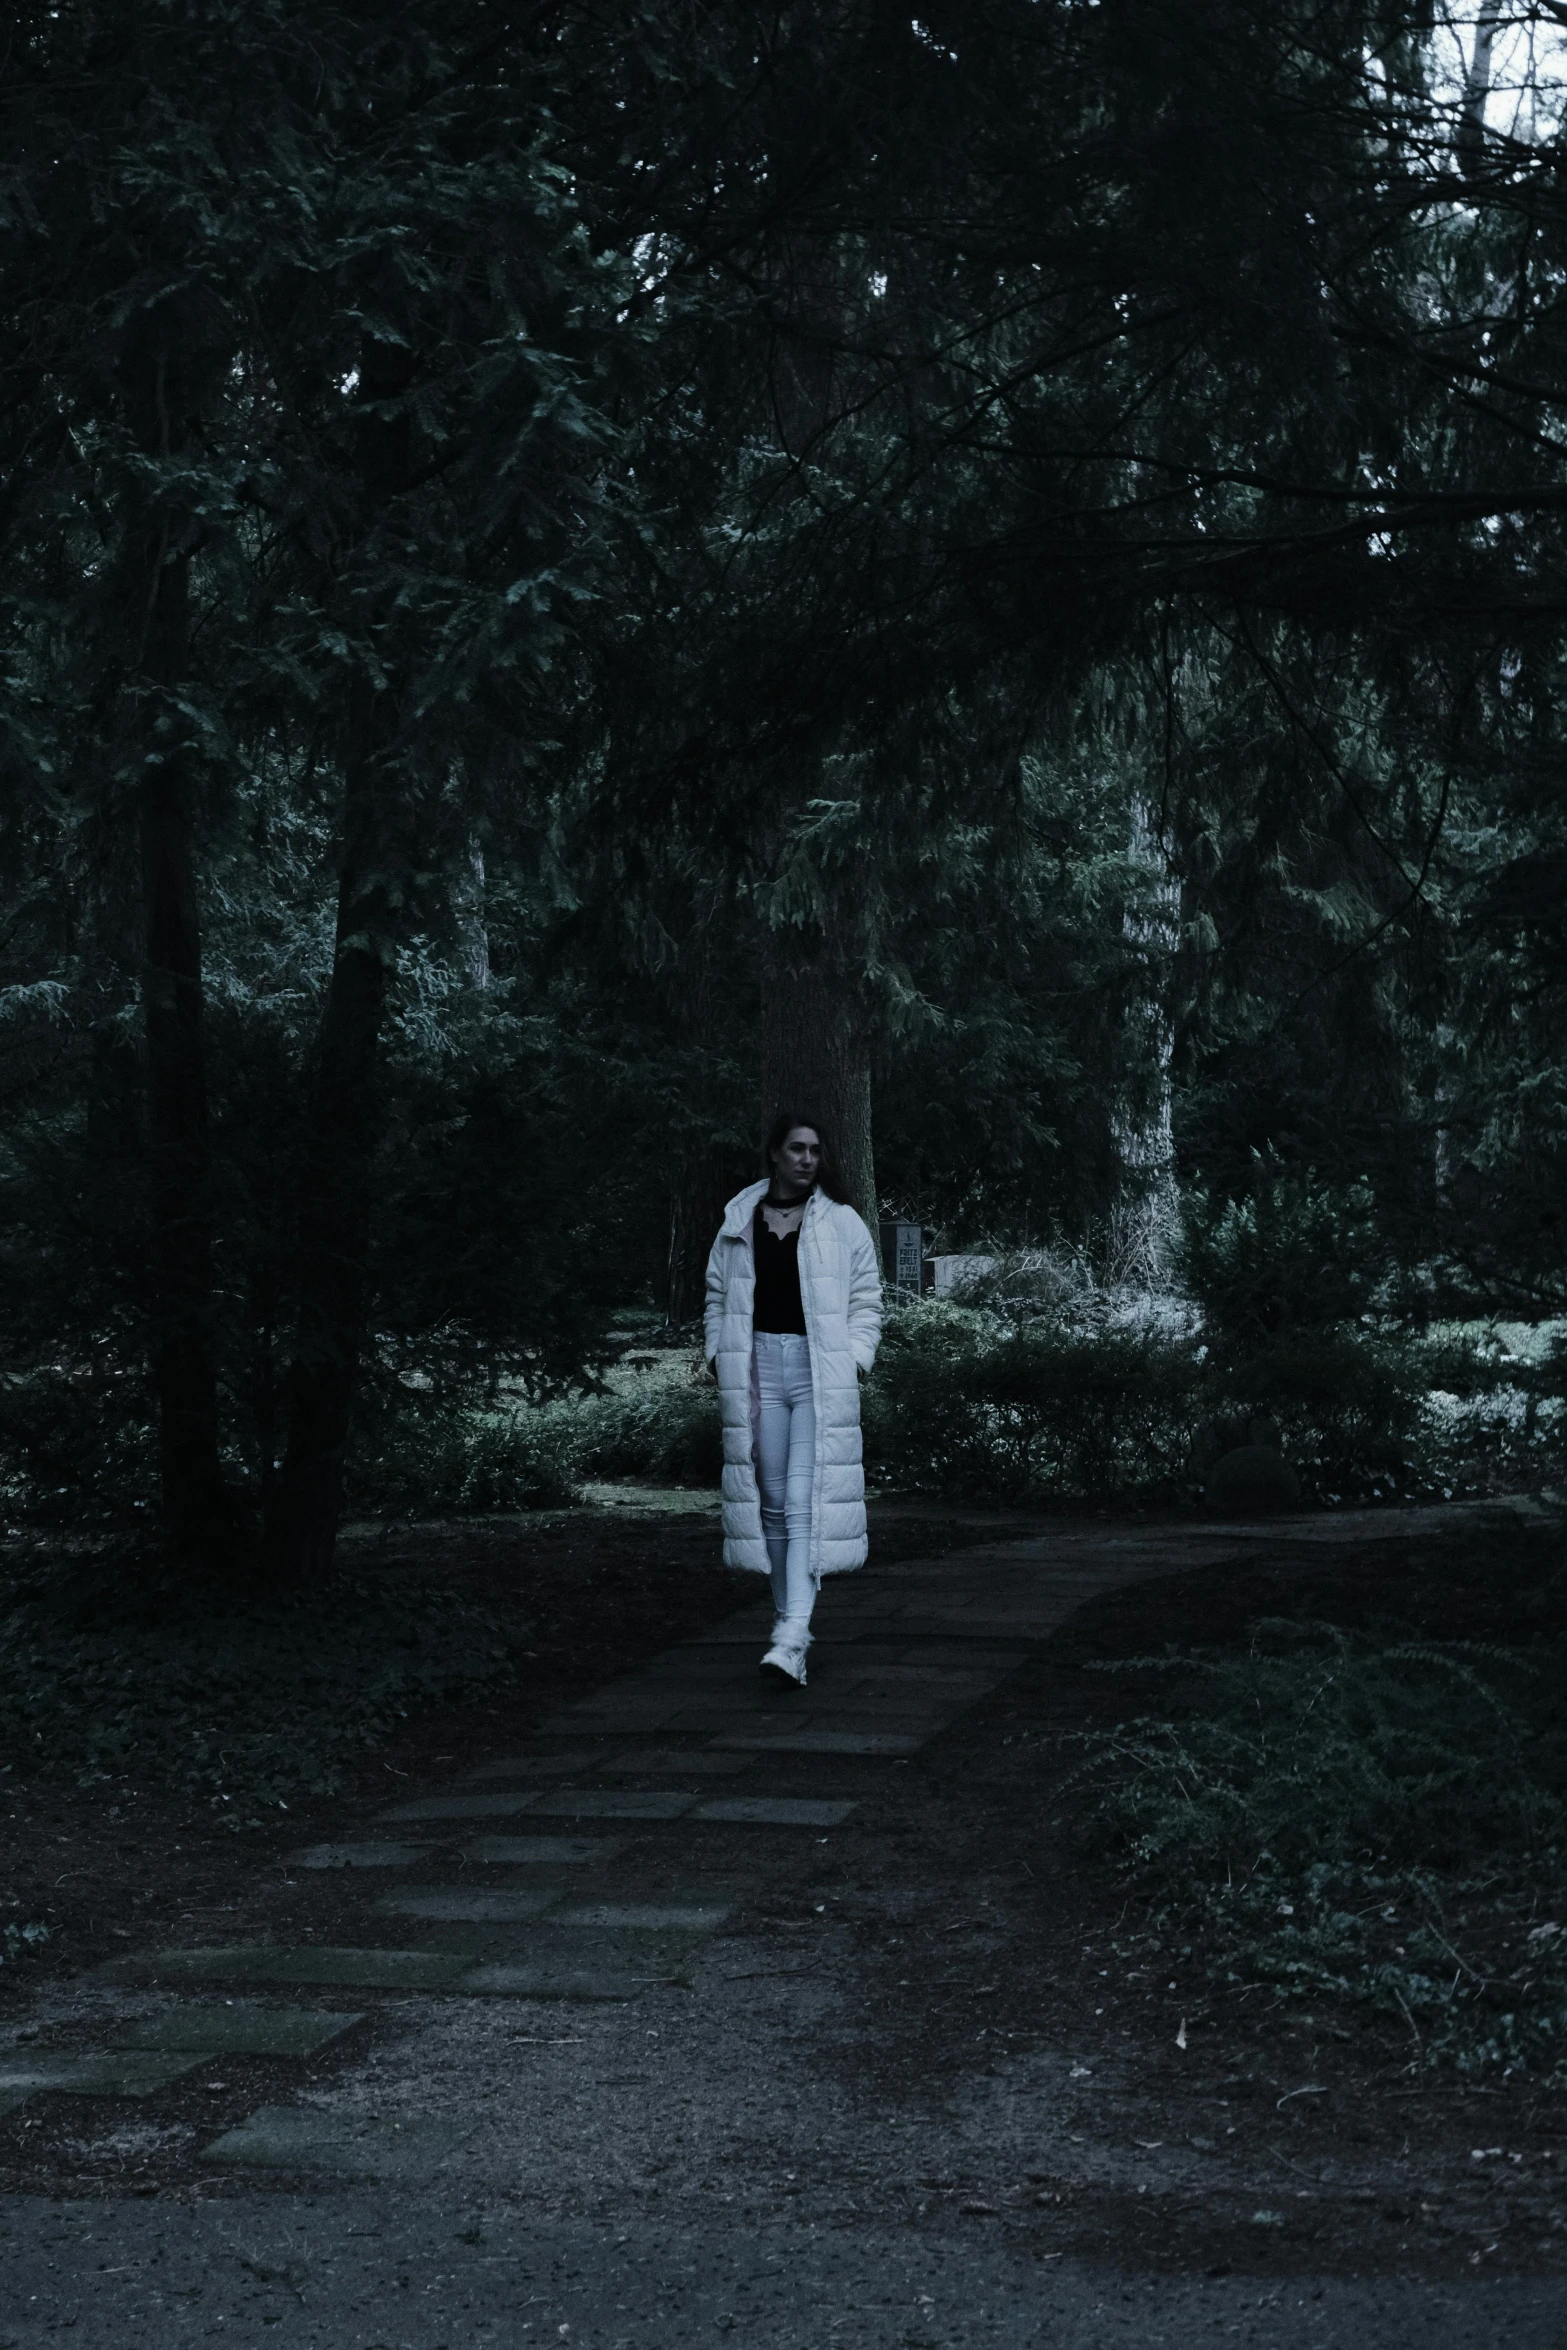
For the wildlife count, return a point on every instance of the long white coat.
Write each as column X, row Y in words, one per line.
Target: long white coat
column 841, row 1292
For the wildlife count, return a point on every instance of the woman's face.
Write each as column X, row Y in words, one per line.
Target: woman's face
column 798, row 1162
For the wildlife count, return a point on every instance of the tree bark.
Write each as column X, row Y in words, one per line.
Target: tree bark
column 1470, row 140
column 702, row 1187
column 197, row 1507
column 343, row 1129
column 816, row 1058
column 710, row 1168
column 162, row 362
column 468, row 911
column 1145, row 1213
column 344, row 1118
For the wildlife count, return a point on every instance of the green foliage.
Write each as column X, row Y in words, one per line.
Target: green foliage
column 1042, row 1395
column 965, row 1404
column 1016, row 1404
column 1348, row 1402
column 76, row 1449
column 574, row 552
column 1321, row 1808
column 1286, row 1255
column 434, row 1459
column 669, row 1435
column 17, row 1942
column 1323, row 1747
column 1293, row 1276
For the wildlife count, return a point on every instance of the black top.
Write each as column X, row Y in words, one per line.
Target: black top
column 778, row 1303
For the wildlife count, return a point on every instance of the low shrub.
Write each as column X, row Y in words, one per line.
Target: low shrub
column 664, row 1434
column 445, row 1461
column 1288, row 1254
column 76, row 1448
column 1381, row 1415
column 1286, row 1275
column 1347, row 1401
column 427, row 1457
column 1491, row 1419
column 1326, row 1809
column 979, row 1403
column 963, row 1403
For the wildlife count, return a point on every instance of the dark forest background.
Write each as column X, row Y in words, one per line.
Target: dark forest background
column 571, row 573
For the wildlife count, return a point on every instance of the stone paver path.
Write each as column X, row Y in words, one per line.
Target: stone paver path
column 531, row 1914
column 600, row 1866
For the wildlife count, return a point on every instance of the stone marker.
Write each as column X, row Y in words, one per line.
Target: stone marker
column 537, row 1851
column 461, row 1904
column 742, row 1631
column 1251, row 1480
column 602, row 1803
column 900, row 1716
column 101, row 2073
column 285, row 2137
column 844, row 1722
column 384, row 1855
column 766, row 1811
column 239, row 2031
column 462, row 1807
column 371, row 1970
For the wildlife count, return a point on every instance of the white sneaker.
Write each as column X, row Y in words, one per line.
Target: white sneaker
column 785, row 1660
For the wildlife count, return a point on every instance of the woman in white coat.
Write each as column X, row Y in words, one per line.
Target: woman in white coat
column 793, row 1318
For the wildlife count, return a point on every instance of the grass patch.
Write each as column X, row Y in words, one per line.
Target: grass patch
column 1367, row 1812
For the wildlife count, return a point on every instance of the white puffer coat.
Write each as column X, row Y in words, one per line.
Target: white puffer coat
column 841, row 1292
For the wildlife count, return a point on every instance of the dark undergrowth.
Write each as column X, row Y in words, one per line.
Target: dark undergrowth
column 1359, row 1794
column 251, row 1705
column 248, row 1703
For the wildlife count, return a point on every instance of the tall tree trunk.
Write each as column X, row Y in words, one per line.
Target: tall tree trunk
column 708, row 1169
column 196, row 1505
column 469, row 915
column 343, row 1122
column 1145, row 1215
column 335, row 1200
column 1470, row 139
column 816, row 1057
column 161, row 361
column 703, row 1184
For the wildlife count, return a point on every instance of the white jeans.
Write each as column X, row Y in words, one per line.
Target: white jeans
column 786, row 1465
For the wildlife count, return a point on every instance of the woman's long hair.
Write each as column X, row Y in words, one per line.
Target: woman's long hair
column 828, row 1178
